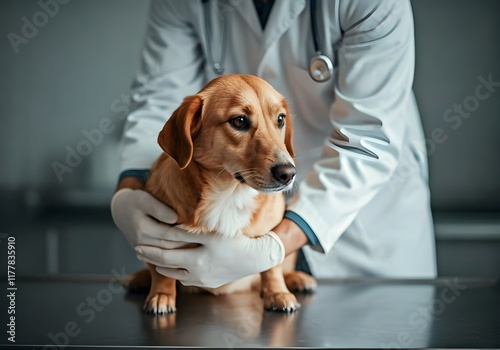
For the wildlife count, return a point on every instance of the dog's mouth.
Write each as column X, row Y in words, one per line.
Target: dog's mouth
column 277, row 188
column 239, row 177
column 264, row 187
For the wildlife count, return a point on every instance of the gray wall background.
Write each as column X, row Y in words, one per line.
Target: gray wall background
column 67, row 77
column 64, row 81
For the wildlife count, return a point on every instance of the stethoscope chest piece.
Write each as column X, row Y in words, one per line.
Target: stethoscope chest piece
column 320, row 68
column 217, row 68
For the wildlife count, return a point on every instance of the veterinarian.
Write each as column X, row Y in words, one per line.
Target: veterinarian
column 362, row 206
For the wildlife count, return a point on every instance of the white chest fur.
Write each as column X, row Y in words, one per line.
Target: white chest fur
column 229, row 208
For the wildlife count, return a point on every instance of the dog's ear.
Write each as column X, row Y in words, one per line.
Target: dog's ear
column 176, row 137
column 288, row 131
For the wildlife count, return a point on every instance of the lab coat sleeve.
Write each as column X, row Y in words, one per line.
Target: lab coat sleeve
column 372, row 104
column 171, row 68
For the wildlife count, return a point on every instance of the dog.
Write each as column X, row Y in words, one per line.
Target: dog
column 228, row 158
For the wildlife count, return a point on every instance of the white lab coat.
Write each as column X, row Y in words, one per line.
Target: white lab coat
column 365, row 192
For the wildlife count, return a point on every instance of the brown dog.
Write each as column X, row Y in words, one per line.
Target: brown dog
column 228, row 157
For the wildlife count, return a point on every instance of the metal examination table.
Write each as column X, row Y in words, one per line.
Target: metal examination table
column 77, row 312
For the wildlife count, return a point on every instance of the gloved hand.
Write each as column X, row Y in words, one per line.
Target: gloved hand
column 217, row 260
column 143, row 219
column 148, row 226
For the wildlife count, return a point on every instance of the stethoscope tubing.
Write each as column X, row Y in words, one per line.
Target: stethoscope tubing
column 320, row 66
column 314, row 27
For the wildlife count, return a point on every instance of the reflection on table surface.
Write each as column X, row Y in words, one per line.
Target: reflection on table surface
column 341, row 314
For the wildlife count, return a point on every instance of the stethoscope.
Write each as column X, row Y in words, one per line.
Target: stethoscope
column 320, row 65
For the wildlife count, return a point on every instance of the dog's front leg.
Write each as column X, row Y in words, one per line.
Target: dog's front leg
column 276, row 295
column 161, row 298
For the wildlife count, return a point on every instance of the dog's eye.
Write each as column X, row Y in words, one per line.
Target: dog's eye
column 240, row 122
column 281, row 120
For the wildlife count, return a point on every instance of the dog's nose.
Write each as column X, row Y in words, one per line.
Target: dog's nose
column 284, row 173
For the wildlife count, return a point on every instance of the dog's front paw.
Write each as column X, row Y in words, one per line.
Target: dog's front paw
column 286, row 302
column 298, row 281
column 160, row 303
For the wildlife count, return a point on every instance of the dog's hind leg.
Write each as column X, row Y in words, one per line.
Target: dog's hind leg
column 138, row 281
column 297, row 281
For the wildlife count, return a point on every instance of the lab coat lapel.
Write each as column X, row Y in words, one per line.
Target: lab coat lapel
column 246, row 10
column 282, row 16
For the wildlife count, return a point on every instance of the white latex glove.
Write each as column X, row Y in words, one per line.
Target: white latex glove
column 143, row 219
column 216, row 260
